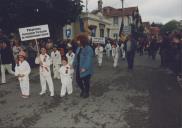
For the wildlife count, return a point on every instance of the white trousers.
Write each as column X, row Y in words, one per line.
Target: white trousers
column 25, row 87
column 116, row 58
column 56, row 68
column 5, row 67
column 108, row 53
column 123, row 54
column 66, row 86
column 46, row 79
column 99, row 59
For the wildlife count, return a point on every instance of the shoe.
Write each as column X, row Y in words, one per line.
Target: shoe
column 41, row 93
column 2, row 83
column 62, row 96
column 25, row 97
column 51, row 94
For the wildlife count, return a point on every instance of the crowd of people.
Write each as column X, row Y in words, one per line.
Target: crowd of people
column 63, row 58
column 169, row 46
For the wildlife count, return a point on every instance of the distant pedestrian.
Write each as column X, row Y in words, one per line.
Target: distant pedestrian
column 108, row 49
column 70, row 56
column 115, row 54
column 56, row 61
column 130, row 51
column 99, row 54
column 22, row 71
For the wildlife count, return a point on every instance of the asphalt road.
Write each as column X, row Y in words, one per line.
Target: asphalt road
column 148, row 97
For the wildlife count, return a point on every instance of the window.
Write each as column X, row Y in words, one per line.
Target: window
column 115, row 35
column 101, row 32
column 115, row 20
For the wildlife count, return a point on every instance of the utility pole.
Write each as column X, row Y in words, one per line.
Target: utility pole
column 122, row 22
column 86, row 6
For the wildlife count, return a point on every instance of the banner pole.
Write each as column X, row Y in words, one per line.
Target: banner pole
column 37, row 46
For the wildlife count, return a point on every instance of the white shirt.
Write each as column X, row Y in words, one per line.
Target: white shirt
column 66, row 71
column 46, row 62
column 115, row 52
column 71, row 58
column 99, row 51
column 108, row 47
column 23, row 69
column 56, row 57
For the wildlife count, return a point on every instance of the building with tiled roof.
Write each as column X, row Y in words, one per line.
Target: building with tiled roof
column 106, row 22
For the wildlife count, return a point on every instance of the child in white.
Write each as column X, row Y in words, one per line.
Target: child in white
column 108, row 49
column 115, row 54
column 70, row 56
column 66, row 73
column 45, row 73
column 22, row 71
column 99, row 53
column 123, row 51
column 56, row 61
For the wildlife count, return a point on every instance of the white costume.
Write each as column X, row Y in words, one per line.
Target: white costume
column 71, row 58
column 45, row 73
column 99, row 53
column 123, row 51
column 108, row 49
column 115, row 55
column 23, row 69
column 5, row 67
column 56, row 61
column 66, row 73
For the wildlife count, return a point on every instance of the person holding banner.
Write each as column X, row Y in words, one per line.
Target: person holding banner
column 45, row 73
column 22, row 71
column 56, row 61
column 99, row 53
column 115, row 54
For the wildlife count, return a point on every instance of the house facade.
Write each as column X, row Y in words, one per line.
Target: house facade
column 103, row 22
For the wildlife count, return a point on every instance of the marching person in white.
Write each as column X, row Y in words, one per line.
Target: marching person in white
column 56, row 61
column 123, row 51
column 45, row 73
column 115, row 54
column 70, row 56
column 108, row 49
column 22, row 71
column 99, row 53
column 66, row 73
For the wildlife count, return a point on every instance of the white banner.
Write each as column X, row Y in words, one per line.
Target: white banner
column 35, row 32
column 98, row 40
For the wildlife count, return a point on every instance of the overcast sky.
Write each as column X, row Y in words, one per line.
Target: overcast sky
column 160, row 11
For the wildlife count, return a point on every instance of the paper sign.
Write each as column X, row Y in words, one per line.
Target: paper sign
column 35, row 32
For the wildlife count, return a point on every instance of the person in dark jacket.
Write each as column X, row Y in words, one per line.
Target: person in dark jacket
column 131, row 45
column 6, row 61
column 83, row 64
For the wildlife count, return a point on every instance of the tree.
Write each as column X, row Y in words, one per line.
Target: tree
column 170, row 26
column 22, row 13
